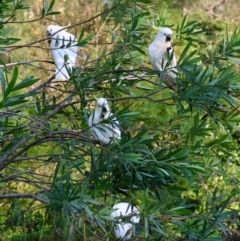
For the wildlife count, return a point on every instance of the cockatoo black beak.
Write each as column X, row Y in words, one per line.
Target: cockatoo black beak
column 48, row 33
column 104, row 111
column 48, row 36
column 168, row 38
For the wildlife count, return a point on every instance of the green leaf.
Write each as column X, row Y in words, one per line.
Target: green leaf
column 234, row 59
column 129, row 114
column 45, row 2
column 130, row 156
column 179, row 210
column 138, row 49
column 145, row 1
column 81, row 35
column 25, row 83
column 197, row 168
column 43, row 12
column 217, row 140
column 52, row 13
column 16, row 100
column 12, row 102
column 184, row 52
column 51, row 5
column 134, row 23
column 11, row 84
column 83, row 41
column 3, row 81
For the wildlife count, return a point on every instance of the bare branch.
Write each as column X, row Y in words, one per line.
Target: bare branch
column 9, row 49
column 26, row 62
column 210, row 9
column 69, row 26
column 4, row 160
column 23, row 195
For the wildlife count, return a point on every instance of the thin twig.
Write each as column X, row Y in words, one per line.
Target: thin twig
column 23, row 195
column 26, row 62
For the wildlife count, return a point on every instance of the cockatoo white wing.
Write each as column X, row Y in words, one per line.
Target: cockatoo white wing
column 61, row 71
column 114, row 127
column 67, row 45
column 156, row 52
column 123, row 230
column 94, row 118
column 160, row 52
column 103, row 132
column 63, row 50
column 64, row 54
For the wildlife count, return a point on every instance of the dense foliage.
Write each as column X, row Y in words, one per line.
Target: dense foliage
column 177, row 160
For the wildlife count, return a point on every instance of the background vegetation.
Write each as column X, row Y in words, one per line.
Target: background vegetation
column 178, row 158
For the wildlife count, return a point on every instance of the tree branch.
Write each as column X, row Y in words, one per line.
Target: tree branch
column 26, row 62
column 69, row 26
column 23, row 195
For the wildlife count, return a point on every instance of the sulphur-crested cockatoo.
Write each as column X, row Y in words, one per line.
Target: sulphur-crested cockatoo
column 104, row 132
column 63, row 49
column 123, row 228
column 161, row 55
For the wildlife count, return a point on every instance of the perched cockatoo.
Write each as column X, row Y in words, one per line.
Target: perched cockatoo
column 107, row 2
column 63, row 49
column 161, row 55
column 123, row 229
column 104, row 132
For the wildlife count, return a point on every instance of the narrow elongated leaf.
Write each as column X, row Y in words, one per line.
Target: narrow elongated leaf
column 12, row 83
column 3, row 81
column 130, row 156
column 25, row 83
column 184, row 52
column 45, row 5
column 51, row 5
column 138, row 49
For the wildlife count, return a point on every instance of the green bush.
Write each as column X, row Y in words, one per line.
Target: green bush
column 177, row 160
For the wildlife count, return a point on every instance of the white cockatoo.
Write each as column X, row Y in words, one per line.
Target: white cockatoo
column 104, row 132
column 123, row 229
column 161, row 55
column 107, row 2
column 63, row 49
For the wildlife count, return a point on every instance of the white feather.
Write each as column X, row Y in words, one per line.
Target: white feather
column 103, row 132
column 160, row 51
column 62, row 48
column 123, row 230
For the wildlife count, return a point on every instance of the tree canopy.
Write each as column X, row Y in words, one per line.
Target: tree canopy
column 177, row 160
